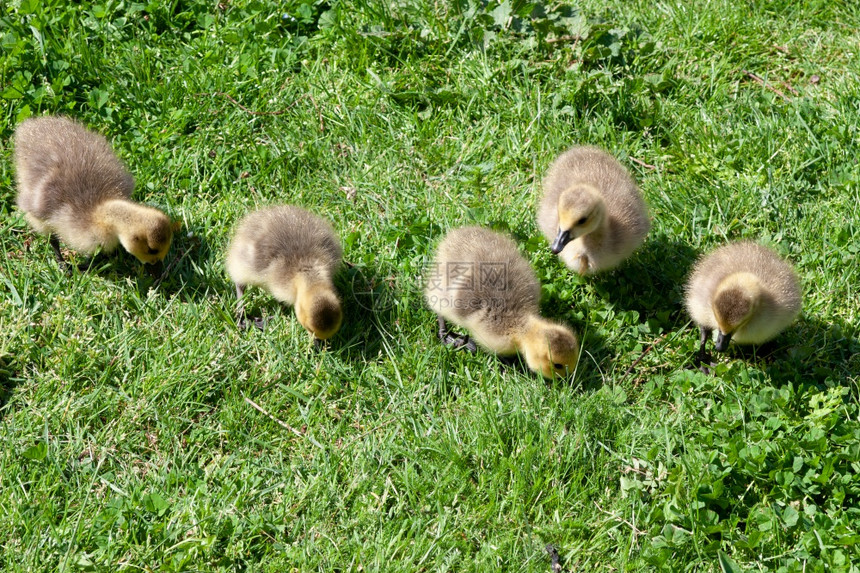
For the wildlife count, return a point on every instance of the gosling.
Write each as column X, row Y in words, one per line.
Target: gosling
column 293, row 254
column 591, row 211
column 71, row 186
column 745, row 292
column 480, row 281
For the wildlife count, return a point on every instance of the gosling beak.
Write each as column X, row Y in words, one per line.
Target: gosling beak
column 561, row 240
column 722, row 341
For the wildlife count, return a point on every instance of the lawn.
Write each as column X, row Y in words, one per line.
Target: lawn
column 143, row 431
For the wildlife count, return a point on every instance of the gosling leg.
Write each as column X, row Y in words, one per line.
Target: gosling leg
column 583, row 265
column 702, row 357
column 704, row 335
column 240, row 307
column 443, row 329
column 58, row 255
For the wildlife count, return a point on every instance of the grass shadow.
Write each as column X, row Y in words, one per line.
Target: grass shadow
column 189, row 271
column 8, row 381
column 652, row 281
column 810, row 351
column 182, row 271
column 592, row 345
column 593, row 353
column 369, row 297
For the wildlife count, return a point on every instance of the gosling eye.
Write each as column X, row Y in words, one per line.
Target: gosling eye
column 152, row 251
column 558, row 366
column 582, row 221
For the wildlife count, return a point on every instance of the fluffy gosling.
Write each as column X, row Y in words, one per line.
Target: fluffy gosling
column 71, row 186
column 591, row 211
column 480, row 281
column 745, row 292
column 293, row 254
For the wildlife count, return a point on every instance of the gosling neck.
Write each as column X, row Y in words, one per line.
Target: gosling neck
column 115, row 214
column 746, row 283
column 308, row 282
column 531, row 329
column 317, row 306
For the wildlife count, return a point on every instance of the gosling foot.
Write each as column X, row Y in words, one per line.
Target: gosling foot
column 256, row 321
column 452, row 339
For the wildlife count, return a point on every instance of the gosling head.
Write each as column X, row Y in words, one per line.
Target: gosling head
column 320, row 314
column 581, row 210
column 734, row 303
column 149, row 238
column 551, row 349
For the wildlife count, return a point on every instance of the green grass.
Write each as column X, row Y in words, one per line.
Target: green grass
column 130, row 408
